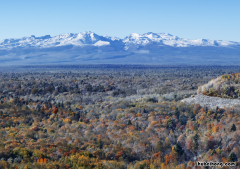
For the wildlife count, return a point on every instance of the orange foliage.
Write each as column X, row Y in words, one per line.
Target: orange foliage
column 73, row 151
column 168, row 158
column 55, row 111
column 154, row 123
column 202, row 117
column 156, row 155
column 224, row 160
column 215, row 128
column 119, row 154
column 211, row 138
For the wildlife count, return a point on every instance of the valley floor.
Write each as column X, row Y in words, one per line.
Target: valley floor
column 111, row 117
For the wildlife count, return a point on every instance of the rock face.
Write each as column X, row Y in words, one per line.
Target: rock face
column 211, row 102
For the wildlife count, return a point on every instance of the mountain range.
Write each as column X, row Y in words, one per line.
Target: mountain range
column 88, row 47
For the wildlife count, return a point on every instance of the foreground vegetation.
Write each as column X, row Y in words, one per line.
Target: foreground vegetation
column 113, row 118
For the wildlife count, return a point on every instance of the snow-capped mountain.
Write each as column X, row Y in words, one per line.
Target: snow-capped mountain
column 80, row 39
column 88, row 47
column 90, row 38
column 170, row 40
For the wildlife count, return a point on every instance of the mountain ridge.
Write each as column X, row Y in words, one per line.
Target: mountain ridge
column 88, row 47
column 90, row 38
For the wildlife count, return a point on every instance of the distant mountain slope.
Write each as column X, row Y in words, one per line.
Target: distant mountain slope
column 88, row 47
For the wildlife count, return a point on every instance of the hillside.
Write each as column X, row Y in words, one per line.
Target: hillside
column 224, row 91
column 226, row 86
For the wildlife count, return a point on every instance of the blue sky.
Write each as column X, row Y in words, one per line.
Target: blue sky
column 191, row 19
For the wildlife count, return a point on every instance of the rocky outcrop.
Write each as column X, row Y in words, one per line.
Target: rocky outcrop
column 211, row 102
column 215, row 84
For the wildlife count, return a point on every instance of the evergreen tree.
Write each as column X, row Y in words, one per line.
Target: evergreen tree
column 192, row 116
column 183, row 119
column 233, row 157
column 137, row 125
column 100, row 144
column 129, row 122
column 176, row 113
column 178, row 149
column 170, row 122
column 195, row 142
column 233, row 127
column 175, row 97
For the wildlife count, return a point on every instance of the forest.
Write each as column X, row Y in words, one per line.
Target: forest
column 116, row 116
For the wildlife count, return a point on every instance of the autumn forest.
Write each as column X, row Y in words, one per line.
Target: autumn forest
column 115, row 116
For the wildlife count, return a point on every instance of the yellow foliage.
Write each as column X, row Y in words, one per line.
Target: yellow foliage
column 66, row 120
column 152, row 166
column 215, row 128
column 163, row 166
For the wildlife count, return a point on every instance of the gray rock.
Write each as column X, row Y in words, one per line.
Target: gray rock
column 211, row 102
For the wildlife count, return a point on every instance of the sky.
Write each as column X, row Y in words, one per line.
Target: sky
column 190, row 19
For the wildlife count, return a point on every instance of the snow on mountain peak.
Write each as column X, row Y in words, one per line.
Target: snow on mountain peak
column 101, row 43
column 89, row 38
column 136, row 39
column 80, row 39
column 170, row 40
column 134, row 36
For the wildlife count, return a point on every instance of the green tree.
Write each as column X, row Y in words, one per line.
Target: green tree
column 195, row 142
column 100, row 144
column 233, row 157
column 178, row 149
column 142, row 166
column 89, row 88
column 233, row 127
column 170, row 122
column 129, row 122
column 176, row 112
column 183, row 119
